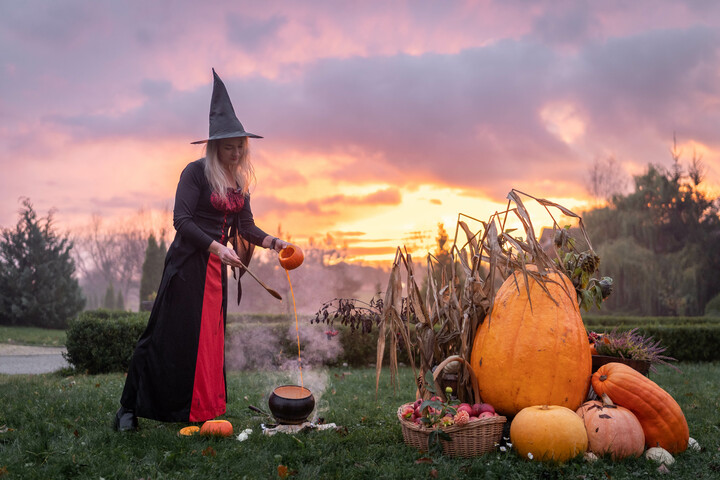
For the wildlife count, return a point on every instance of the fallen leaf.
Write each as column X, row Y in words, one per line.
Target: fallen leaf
column 434, row 473
column 663, row 469
column 76, row 433
column 282, row 471
column 424, row 460
column 3, row 471
column 209, row 452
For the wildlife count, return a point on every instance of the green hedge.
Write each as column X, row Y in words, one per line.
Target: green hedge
column 102, row 341
column 686, row 343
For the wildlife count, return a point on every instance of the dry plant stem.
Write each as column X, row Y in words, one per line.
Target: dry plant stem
column 456, row 304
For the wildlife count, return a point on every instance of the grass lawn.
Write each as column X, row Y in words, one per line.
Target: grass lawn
column 60, row 427
column 32, row 336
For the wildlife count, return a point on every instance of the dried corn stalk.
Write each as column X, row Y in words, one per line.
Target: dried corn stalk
column 444, row 322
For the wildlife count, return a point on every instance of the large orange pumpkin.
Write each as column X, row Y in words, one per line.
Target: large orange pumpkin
column 548, row 433
column 537, row 354
column 612, row 429
column 661, row 417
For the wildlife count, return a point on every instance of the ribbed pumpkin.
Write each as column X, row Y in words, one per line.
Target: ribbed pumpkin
column 661, row 417
column 525, row 356
column 612, row 429
column 548, row 433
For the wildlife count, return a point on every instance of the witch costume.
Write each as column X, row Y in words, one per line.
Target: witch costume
column 177, row 372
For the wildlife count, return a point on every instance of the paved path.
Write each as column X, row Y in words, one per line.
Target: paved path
column 25, row 359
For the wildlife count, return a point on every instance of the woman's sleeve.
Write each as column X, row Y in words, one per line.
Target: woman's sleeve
column 247, row 227
column 186, row 200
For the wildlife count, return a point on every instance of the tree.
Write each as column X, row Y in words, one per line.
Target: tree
column 113, row 251
column 110, row 298
column 606, row 179
column 37, row 283
column 660, row 243
column 152, row 268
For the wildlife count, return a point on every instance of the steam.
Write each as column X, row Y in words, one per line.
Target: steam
column 258, row 347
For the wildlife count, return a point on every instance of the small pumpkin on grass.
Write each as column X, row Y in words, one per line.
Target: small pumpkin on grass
column 217, row 428
column 612, row 429
column 548, row 433
column 662, row 419
column 189, row 431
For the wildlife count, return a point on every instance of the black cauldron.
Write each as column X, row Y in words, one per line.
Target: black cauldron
column 291, row 404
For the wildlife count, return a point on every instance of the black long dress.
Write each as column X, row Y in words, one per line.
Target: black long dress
column 177, row 372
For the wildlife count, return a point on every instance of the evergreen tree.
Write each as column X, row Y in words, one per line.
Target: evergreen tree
column 110, row 298
column 120, row 301
column 37, row 286
column 152, row 268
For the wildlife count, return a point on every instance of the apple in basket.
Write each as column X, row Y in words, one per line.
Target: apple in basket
column 479, row 408
column 408, row 412
column 464, row 407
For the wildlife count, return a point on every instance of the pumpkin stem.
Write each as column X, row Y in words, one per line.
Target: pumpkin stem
column 603, row 378
column 606, row 400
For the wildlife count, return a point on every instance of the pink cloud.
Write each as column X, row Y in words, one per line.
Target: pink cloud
column 449, row 94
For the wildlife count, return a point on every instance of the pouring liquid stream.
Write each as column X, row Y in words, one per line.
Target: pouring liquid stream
column 297, row 331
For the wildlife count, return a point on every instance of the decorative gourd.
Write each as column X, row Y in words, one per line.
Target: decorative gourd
column 532, row 352
column 612, row 429
column 544, row 433
column 218, row 428
column 291, row 257
column 189, row 431
column 659, row 414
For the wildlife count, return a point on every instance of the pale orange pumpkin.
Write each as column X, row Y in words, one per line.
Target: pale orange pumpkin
column 217, row 428
column 189, row 431
column 537, row 354
column 291, row 257
column 612, row 429
column 661, row 417
column 548, row 433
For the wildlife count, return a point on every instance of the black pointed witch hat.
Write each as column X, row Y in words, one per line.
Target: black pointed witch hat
column 223, row 121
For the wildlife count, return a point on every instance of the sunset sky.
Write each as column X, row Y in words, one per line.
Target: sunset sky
column 380, row 118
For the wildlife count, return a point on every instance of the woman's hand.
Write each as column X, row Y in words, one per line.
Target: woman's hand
column 274, row 243
column 227, row 255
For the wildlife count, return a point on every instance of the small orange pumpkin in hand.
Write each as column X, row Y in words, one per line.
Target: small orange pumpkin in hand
column 217, row 428
column 291, row 257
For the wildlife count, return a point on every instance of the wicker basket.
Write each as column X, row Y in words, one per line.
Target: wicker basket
column 470, row 440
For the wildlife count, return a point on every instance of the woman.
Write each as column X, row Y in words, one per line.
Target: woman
column 177, row 373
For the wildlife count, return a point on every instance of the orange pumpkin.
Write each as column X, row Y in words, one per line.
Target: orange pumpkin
column 593, row 350
column 532, row 349
column 612, row 429
column 291, row 257
column 662, row 419
column 189, row 431
column 217, row 428
column 548, row 433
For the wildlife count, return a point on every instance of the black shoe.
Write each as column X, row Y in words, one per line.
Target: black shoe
column 125, row 420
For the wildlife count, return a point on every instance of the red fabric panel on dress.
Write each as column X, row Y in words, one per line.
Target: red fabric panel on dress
column 208, row 400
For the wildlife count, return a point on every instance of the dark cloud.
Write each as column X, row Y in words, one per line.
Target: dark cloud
column 247, row 32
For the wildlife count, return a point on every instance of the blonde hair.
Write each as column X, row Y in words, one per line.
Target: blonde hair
column 244, row 175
